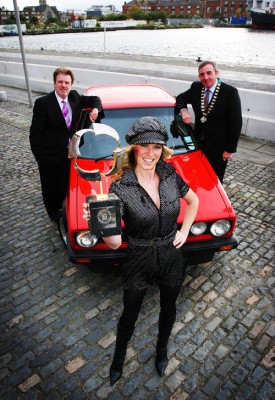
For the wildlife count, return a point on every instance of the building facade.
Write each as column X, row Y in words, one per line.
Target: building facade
column 192, row 8
column 266, row 5
column 100, row 11
column 42, row 13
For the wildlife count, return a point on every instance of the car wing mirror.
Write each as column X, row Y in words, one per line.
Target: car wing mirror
column 118, row 153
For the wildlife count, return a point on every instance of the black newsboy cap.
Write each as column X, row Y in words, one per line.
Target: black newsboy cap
column 147, row 130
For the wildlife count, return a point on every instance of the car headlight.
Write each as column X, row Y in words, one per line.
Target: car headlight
column 220, row 227
column 85, row 239
column 199, row 228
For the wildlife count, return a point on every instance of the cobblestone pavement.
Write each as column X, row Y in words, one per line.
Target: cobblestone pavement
column 58, row 320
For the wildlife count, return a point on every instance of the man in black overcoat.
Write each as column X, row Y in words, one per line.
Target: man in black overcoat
column 53, row 124
column 218, row 119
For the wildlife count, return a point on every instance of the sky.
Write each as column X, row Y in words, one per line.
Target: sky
column 62, row 5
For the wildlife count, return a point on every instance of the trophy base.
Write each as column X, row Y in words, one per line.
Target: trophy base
column 105, row 216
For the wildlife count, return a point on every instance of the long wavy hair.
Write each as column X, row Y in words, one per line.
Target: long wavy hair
column 129, row 161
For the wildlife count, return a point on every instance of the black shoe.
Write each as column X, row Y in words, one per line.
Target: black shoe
column 54, row 218
column 161, row 360
column 117, row 366
column 123, row 337
column 115, row 375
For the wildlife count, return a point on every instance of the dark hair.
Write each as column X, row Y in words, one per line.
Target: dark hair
column 204, row 63
column 65, row 71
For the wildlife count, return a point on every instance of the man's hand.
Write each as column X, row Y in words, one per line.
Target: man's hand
column 94, row 114
column 226, row 155
column 186, row 117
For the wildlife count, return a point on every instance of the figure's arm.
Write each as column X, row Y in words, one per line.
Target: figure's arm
column 37, row 128
column 113, row 241
column 182, row 101
column 234, row 122
column 188, row 219
column 93, row 102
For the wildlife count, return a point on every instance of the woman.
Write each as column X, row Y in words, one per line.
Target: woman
column 150, row 190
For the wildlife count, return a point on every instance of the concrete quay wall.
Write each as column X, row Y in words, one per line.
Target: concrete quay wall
column 258, row 106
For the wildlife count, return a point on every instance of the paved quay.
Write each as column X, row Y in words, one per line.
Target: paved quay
column 57, row 320
column 248, row 77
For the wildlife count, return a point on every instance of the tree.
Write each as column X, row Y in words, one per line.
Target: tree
column 34, row 20
column 52, row 20
column 11, row 20
column 22, row 19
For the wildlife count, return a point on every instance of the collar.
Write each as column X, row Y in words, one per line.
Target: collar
column 59, row 99
column 212, row 89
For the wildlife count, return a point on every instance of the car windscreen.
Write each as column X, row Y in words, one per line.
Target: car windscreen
column 181, row 138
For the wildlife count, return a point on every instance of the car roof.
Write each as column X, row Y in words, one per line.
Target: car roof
column 129, row 96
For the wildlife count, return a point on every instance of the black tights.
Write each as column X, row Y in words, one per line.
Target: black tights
column 132, row 300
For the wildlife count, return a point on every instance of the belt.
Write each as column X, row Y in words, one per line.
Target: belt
column 156, row 241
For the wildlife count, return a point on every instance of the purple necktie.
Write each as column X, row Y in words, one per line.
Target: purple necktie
column 66, row 114
column 206, row 99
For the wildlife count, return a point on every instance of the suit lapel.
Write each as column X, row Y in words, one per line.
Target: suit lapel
column 55, row 106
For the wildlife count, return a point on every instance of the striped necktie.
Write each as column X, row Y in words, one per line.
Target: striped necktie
column 66, row 114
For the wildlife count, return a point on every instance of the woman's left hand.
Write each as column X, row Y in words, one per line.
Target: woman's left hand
column 180, row 239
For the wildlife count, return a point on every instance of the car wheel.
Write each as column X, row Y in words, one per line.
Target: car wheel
column 62, row 226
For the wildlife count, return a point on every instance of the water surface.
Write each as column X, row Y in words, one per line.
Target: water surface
column 234, row 46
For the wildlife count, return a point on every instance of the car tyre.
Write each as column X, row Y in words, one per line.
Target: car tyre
column 63, row 226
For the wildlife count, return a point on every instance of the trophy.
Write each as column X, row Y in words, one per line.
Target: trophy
column 105, row 216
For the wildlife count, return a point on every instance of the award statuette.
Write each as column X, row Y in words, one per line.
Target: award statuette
column 105, row 216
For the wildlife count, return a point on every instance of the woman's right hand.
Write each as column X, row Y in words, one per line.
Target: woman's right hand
column 86, row 211
column 112, row 241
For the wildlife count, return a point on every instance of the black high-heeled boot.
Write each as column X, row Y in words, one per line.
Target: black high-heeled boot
column 165, row 328
column 122, row 339
column 161, row 359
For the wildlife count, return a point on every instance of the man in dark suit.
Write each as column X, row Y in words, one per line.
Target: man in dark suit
column 54, row 122
column 218, row 116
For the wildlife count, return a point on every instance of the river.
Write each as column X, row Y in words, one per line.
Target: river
column 232, row 46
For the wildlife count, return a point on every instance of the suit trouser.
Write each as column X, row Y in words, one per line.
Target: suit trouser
column 54, row 184
column 219, row 166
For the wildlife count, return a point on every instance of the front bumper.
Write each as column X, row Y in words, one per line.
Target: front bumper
column 195, row 252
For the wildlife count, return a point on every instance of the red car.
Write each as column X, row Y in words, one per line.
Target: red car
column 213, row 227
